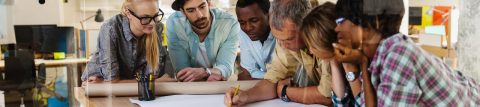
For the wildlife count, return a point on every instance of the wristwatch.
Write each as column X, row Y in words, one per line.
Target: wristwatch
column 284, row 96
column 351, row 76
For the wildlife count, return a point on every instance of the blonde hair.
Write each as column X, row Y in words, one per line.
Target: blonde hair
column 151, row 42
column 317, row 29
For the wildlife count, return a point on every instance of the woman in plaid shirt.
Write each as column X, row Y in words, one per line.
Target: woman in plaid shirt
column 396, row 72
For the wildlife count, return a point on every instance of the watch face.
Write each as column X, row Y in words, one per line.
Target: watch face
column 350, row 76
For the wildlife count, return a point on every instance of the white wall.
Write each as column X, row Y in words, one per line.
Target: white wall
column 27, row 12
column 30, row 12
column 469, row 34
column 404, row 25
column 5, row 22
column 86, row 8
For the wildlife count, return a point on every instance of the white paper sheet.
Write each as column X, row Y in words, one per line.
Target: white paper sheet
column 209, row 101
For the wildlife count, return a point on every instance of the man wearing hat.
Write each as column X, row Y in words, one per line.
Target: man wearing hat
column 202, row 41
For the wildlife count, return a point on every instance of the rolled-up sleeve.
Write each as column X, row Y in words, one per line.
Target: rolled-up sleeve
column 91, row 69
column 325, row 86
column 225, row 59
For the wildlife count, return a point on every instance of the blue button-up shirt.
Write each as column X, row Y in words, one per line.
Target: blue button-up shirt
column 221, row 42
column 254, row 55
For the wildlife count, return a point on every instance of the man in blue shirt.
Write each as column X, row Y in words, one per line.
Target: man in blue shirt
column 202, row 42
column 256, row 42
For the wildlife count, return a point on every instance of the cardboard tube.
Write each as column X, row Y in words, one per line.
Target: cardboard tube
column 167, row 88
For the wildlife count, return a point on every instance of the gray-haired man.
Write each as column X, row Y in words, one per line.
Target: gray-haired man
column 312, row 78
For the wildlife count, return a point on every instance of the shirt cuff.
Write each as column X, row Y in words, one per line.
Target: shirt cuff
column 339, row 101
column 224, row 71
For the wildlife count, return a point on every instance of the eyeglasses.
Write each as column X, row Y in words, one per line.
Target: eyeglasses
column 340, row 20
column 146, row 20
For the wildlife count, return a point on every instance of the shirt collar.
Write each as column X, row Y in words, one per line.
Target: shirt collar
column 128, row 34
column 212, row 25
column 270, row 37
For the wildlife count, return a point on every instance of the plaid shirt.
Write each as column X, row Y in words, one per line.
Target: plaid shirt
column 403, row 74
column 344, row 102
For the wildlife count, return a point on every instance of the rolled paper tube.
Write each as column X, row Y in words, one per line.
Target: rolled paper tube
column 167, row 88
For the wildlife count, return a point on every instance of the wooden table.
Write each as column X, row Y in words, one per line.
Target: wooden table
column 173, row 87
column 182, row 92
column 86, row 101
column 74, row 68
column 50, row 63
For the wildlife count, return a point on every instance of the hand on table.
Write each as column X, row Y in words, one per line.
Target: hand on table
column 92, row 79
column 215, row 77
column 192, row 74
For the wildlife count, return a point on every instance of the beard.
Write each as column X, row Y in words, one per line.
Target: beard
column 201, row 23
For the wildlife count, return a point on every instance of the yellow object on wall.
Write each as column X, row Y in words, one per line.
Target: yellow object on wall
column 427, row 18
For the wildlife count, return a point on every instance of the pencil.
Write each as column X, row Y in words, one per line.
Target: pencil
column 235, row 94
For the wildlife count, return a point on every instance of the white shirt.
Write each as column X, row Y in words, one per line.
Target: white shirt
column 202, row 58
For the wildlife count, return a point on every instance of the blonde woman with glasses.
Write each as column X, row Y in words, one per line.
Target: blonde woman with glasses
column 129, row 42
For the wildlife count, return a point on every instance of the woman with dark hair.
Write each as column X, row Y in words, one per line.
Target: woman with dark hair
column 394, row 71
column 318, row 33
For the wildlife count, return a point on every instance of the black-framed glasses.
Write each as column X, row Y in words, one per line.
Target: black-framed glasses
column 339, row 20
column 146, row 20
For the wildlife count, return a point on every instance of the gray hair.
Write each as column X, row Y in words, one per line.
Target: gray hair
column 294, row 10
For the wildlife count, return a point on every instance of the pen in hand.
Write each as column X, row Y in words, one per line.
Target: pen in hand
column 234, row 94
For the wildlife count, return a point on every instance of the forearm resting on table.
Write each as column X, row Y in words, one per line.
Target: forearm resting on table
column 307, row 95
column 263, row 90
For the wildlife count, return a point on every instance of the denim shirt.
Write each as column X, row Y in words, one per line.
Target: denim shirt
column 116, row 55
column 254, row 55
column 221, row 42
